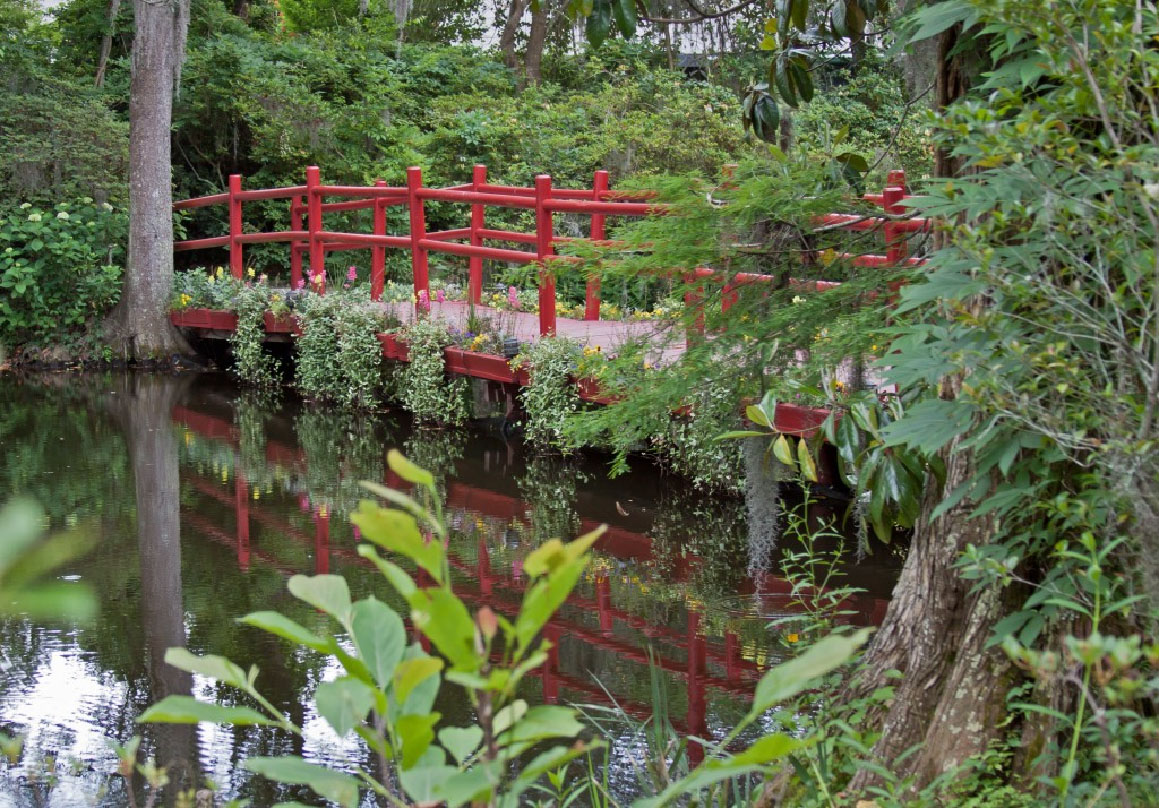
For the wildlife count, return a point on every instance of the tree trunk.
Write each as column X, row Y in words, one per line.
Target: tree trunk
column 107, row 41
column 401, row 15
column 511, row 31
column 540, row 18
column 139, row 326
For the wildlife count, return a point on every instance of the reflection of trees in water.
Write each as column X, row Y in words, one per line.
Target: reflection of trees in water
column 715, row 531
column 342, row 449
column 437, row 451
column 548, row 487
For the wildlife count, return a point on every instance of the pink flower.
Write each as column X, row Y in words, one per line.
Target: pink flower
column 298, row 284
column 513, row 297
column 441, row 296
column 357, row 533
column 424, row 298
column 304, row 502
column 352, row 274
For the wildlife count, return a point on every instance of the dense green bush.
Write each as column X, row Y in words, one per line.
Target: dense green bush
column 59, row 266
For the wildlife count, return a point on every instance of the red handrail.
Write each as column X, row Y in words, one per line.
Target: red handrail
column 599, row 202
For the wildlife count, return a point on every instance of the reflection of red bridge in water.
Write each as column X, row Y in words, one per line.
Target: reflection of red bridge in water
column 503, row 590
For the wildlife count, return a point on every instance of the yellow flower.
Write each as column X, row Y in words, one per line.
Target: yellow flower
column 211, row 279
column 250, row 272
column 257, row 494
column 220, row 271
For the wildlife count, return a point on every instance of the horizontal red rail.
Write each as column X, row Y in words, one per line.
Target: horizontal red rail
column 261, row 238
column 271, row 193
column 476, row 197
column 606, row 208
column 201, row 243
column 450, row 235
column 469, row 250
column 201, row 201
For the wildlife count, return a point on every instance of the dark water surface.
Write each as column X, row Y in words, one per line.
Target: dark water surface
column 204, row 502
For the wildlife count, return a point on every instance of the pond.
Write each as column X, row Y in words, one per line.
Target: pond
column 204, row 500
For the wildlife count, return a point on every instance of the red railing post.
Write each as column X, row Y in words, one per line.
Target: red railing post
column 895, row 242
column 599, row 233
column 544, row 250
column 896, row 179
column 378, row 251
column 475, row 282
column 420, row 268
column 296, row 205
column 314, row 212
column 236, row 259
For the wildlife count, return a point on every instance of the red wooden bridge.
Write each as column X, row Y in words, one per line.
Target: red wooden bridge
column 476, row 242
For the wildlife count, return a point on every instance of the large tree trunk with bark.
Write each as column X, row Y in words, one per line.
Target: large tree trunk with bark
column 139, row 326
column 511, row 31
column 952, row 698
column 540, row 22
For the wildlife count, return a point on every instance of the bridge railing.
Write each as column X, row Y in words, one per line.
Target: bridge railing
column 308, row 235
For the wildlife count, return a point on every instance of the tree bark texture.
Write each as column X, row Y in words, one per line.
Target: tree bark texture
column 140, row 323
column 540, row 22
column 511, row 32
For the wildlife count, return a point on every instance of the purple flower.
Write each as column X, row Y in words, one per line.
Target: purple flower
column 440, row 296
column 298, row 284
column 352, row 274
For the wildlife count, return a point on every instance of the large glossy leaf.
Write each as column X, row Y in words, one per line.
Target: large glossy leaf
column 333, row 785
column 282, row 626
column 790, row 678
column 783, row 451
column 808, row 467
column 624, row 12
column 543, row 598
column 398, row 532
column 380, row 637
column 211, row 666
column 329, row 593
column 543, row 721
column 344, row 703
column 188, row 710
column 599, row 22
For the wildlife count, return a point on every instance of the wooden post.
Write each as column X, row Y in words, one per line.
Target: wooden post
column 378, row 251
column 599, row 233
column 420, row 267
column 895, row 243
column 544, row 250
column 296, row 205
column 314, row 212
column 236, row 260
column 475, row 281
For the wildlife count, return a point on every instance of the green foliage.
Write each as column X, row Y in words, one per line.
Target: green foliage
column 424, row 387
column 339, row 356
column 60, row 267
column 251, row 363
column 552, row 395
column 400, row 683
column 27, row 559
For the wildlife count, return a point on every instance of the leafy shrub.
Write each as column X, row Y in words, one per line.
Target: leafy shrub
column 552, row 395
column 59, row 267
column 339, row 357
column 424, row 387
column 251, row 363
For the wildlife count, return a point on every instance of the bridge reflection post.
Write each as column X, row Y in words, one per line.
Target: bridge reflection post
column 242, row 514
column 485, row 578
column 604, row 603
column 322, row 541
column 697, row 651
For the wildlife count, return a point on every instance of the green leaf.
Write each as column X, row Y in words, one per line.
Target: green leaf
column 543, row 721
column 396, row 575
column 409, row 673
column 737, row 434
column 443, row 618
column 212, row 666
column 783, row 451
column 854, row 161
column 470, row 786
column 599, row 23
column 188, row 710
column 329, row 593
column 344, row 703
column 798, row 13
column 416, row 732
column 282, row 626
column 935, row 18
column 423, row 781
column 625, row 13
column 342, row 788
column 543, row 598
column 808, row 467
column 553, row 553
column 930, row 424
column 408, row 470
column 461, row 742
column 790, row 678
column 380, row 637
column 399, row 533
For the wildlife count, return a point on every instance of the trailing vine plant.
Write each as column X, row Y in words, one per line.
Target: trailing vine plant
column 425, row 389
column 252, row 364
column 339, row 357
column 552, row 396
